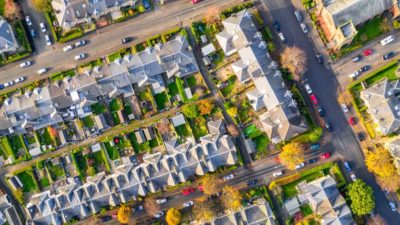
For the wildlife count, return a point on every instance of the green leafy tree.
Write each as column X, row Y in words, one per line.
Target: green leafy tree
column 141, row 9
column 41, row 5
column 362, row 197
column 190, row 111
column 19, row 195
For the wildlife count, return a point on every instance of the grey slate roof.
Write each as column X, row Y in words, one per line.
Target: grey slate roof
column 393, row 146
column 8, row 42
column 383, row 105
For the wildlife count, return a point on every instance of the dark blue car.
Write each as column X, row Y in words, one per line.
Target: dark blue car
column 146, row 4
column 347, row 166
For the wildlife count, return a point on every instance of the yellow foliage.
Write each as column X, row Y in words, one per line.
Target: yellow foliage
column 123, row 214
column 231, row 198
column 380, row 162
column 173, row 216
column 292, row 154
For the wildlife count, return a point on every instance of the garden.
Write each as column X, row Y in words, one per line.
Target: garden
column 175, row 88
column 98, row 108
column 231, row 83
column 144, row 147
column 28, row 180
column 112, row 150
column 56, row 171
column 259, row 139
column 88, row 121
column 183, row 131
column 161, row 100
column 198, row 126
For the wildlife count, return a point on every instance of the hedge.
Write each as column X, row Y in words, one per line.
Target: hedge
column 105, row 158
column 229, row 11
column 74, row 34
column 75, row 162
column 50, row 23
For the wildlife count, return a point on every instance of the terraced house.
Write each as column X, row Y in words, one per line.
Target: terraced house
column 282, row 120
column 182, row 161
column 72, row 97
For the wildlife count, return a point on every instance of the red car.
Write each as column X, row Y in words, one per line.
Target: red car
column 314, row 99
column 325, row 155
column 351, row 121
column 195, row 1
column 200, row 188
column 188, row 191
column 367, row 52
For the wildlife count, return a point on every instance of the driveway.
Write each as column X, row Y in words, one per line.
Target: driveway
column 325, row 86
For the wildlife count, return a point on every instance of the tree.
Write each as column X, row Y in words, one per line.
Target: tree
column 11, row 10
column 376, row 220
column 141, row 9
column 211, row 184
column 19, row 195
column 205, row 107
column 124, row 213
column 190, row 111
column 232, row 111
column 292, row 154
column 203, row 212
column 391, row 183
column 173, row 216
column 232, row 130
column 231, row 198
column 385, row 25
column 295, row 60
column 380, row 162
column 52, row 132
column 41, row 5
column 151, row 206
column 212, row 15
column 362, row 197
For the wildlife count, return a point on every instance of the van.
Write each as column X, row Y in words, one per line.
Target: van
column 298, row 15
column 387, row 40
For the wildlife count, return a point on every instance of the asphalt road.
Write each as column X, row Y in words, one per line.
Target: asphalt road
column 107, row 40
column 325, row 86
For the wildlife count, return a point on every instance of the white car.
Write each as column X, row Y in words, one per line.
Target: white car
column 25, row 64
column 80, row 56
column 188, row 204
column 354, row 75
column 277, row 174
column 48, row 41
column 353, row 177
column 308, row 89
column 393, row 206
column 68, row 48
column 228, row 177
column 387, row 40
column 28, row 20
column 80, row 43
column 43, row 27
column 297, row 13
column 8, row 84
column 304, row 28
column 42, row 71
column 283, row 39
column 159, row 214
column 301, row 165
column 19, row 79
column 161, row 201
column 344, row 108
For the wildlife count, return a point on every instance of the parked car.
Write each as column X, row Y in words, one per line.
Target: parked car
column 298, row 15
column 393, row 206
column 360, row 136
column 146, row 4
column 321, row 111
column 364, row 68
column 314, row 99
column 228, row 177
column 33, row 33
column 68, row 48
column 352, row 122
column 344, row 107
column 43, row 27
column 367, row 52
column 387, row 40
column 161, row 201
column 315, row 147
column 19, row 79
column 28, row 21
column 357, row 58
column 9, row 83
column 42, row 71
column 319, row 57
column 301, row 165
column 195, row 1
column 188, row 191
column 347, row 166
column 188, row 204
column 283, row 39
column 353, row 177
column 48, row 41
column 313, row 160
column 328, row 126
column 304, row 28
column 105, row 218
column 276, row 25
column 159, row 214
column 1, row 86
column 200, row 188
column 354, row 75
column 126, row 40
column 137, row 208
column 80, row 56
column 308, row 89
column 80, row 43
column 251, row 182
column 25, row 64
column 325, row 155
column 388, row 55
column 277, row 173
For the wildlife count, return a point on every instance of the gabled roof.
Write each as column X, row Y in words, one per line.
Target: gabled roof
column 8, row 42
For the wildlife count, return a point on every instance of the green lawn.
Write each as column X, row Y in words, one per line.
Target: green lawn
column 56, row 171
column 115, row 118
column 16, row 142
column 139, row 148
column 98, row 108
column 191, row 81
column 115, row 105
column 261, row 142
column 176, row 88
column 80, row 163
column 306, row 210
column 99, row 160
column 172, row 89
column 229, row 89
column 28, row 181
column 289, row 190
column 112, row 151
column 44, row 182
column 182, row 130
column 5, row 147
column 161, row 100
column 2, row 4
column 88, row 121
column 45, row 138
column 220, row 58
column 252, row 131
column 112, row 57
column 389, row 72
column 199, row 128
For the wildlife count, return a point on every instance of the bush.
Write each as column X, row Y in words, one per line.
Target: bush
column 71, row 35
column 141, row 9
column 48, row 17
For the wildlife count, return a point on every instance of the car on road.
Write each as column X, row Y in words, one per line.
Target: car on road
column 126, row 40
column 357, row 59
column 1, row 86
column 251, row 182
column 314, row 99
column 105, row 218
column 68, row 48
column 48, row 41
column 354, row 75
column 393, row 206
column 19, row 79
column 352, row 122
column 276, row 25
column 43, row 27
column 188, row 191
column 277, row 173
column 146, row 4
column 328, row 126
column 298, row 15
column 301, row 165
column 367, row 52
column 25, row 64
column 364, row 68
column 80, row 56
column 388, row 55
column 195, row 1
column 347, row 166
column 33, row 33
column 137, row 208
column 42, row 71
column 188, row 204
column 325, row 155
column 313, row 160
column 353, row 177
column 200, row 188
column 344, row 107
column 9, row 83
column 319, row 57
column 159, row 214
column 360, row 136
column 228, row 177
column 308, row 89
column 304, row 28
column 282, row 37
column 28, row 20
column 161, row 201
column 321, row 111
column 80, row 43
column 387, row 40
column 314, row 147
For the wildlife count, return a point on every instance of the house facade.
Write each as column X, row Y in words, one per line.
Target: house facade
column 339, row 18
column 8, row 41
column 158, row 171
column 282, row 119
